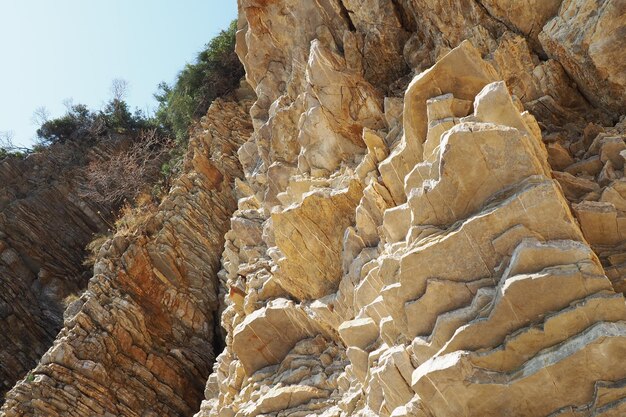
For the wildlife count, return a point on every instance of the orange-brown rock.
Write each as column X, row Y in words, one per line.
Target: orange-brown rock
column 140, row 341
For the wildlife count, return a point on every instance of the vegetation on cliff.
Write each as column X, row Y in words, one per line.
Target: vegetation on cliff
column 141, row 151
column 217, row 71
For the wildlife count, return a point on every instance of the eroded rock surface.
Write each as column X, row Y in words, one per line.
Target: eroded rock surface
column 44, row 228
column 139, row 341
column 430, row 223
column 467, row 284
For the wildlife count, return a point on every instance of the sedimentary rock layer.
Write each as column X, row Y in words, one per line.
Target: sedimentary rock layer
column 139, row 341
column 430, row 223
column 44, row 228
column 457, row 280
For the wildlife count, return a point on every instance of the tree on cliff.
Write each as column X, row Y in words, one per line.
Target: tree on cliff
column 148, row 157
column 80, row 123
column 217, row 71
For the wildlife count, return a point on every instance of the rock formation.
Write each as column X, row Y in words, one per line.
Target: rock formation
column 451, row 277
column 429, row 222
column 140, row 341
column 44, row 228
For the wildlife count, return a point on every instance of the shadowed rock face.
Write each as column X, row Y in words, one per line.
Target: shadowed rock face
column 429, row 222
column 44, row 228
column 139, row 341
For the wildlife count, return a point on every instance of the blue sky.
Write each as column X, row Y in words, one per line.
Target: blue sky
column 52, row 50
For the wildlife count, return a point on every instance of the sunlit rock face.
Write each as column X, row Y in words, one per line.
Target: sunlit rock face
column 406, row 242
column 427, row 220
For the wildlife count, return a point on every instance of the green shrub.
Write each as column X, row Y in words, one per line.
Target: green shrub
column 4, row 153
column 78, row 122
column 217, row 71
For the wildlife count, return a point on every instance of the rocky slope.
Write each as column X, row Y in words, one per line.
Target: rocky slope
column 429, row 222
column 139, row 341
column 44, row 227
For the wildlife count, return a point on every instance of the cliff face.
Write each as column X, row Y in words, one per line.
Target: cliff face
column 406, row 245
column 44, row 227
column 427, row 219
column 139, row 341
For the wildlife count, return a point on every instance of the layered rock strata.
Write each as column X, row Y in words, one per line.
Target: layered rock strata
column 455, row 279
column 44, row 228
column 430, row 224
column 139, row 341
column 590, row 169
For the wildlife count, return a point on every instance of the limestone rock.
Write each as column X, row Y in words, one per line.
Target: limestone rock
column 448, row 271
column 528, row 19
column 430, row 222
column 463, row 67
column 309, row 236
column 267, row 335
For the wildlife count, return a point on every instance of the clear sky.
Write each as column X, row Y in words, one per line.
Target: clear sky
column 52, row 50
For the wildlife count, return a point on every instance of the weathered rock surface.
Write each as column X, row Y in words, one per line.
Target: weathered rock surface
column 139, row 341
column 586, row 37
column 430, row 223
column 44, row 228
column 457, row 280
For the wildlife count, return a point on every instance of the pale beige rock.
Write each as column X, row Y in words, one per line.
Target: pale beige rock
column 463, row 73
column 288, row 397
column 598, row 221
column 381, row 25
column 586, row 37
column 267, row 335
column 445, row 106
column 528, row 18
column 459, row 272
column 309, row 237
column 359, row 333
column 345, row 103
column 614, row 194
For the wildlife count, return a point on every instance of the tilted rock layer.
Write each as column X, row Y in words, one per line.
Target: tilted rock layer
column 44, row 228
column 406, row 244
column 139, row 341
column 430, row 223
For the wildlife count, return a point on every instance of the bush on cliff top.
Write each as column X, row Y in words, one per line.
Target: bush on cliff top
column 217, row 71
column 151, row 159
column 79, row 122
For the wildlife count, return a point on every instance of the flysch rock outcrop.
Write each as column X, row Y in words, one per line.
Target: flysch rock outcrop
column 44, row 228
column 429, row 223
column 140, row 341
column 412, row 238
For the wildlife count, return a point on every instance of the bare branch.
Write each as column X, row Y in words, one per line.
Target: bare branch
column 40, row 116
column 6, row 143
column 124, row 174
column 119, row 89
column 6, row 140
column 68, row 103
